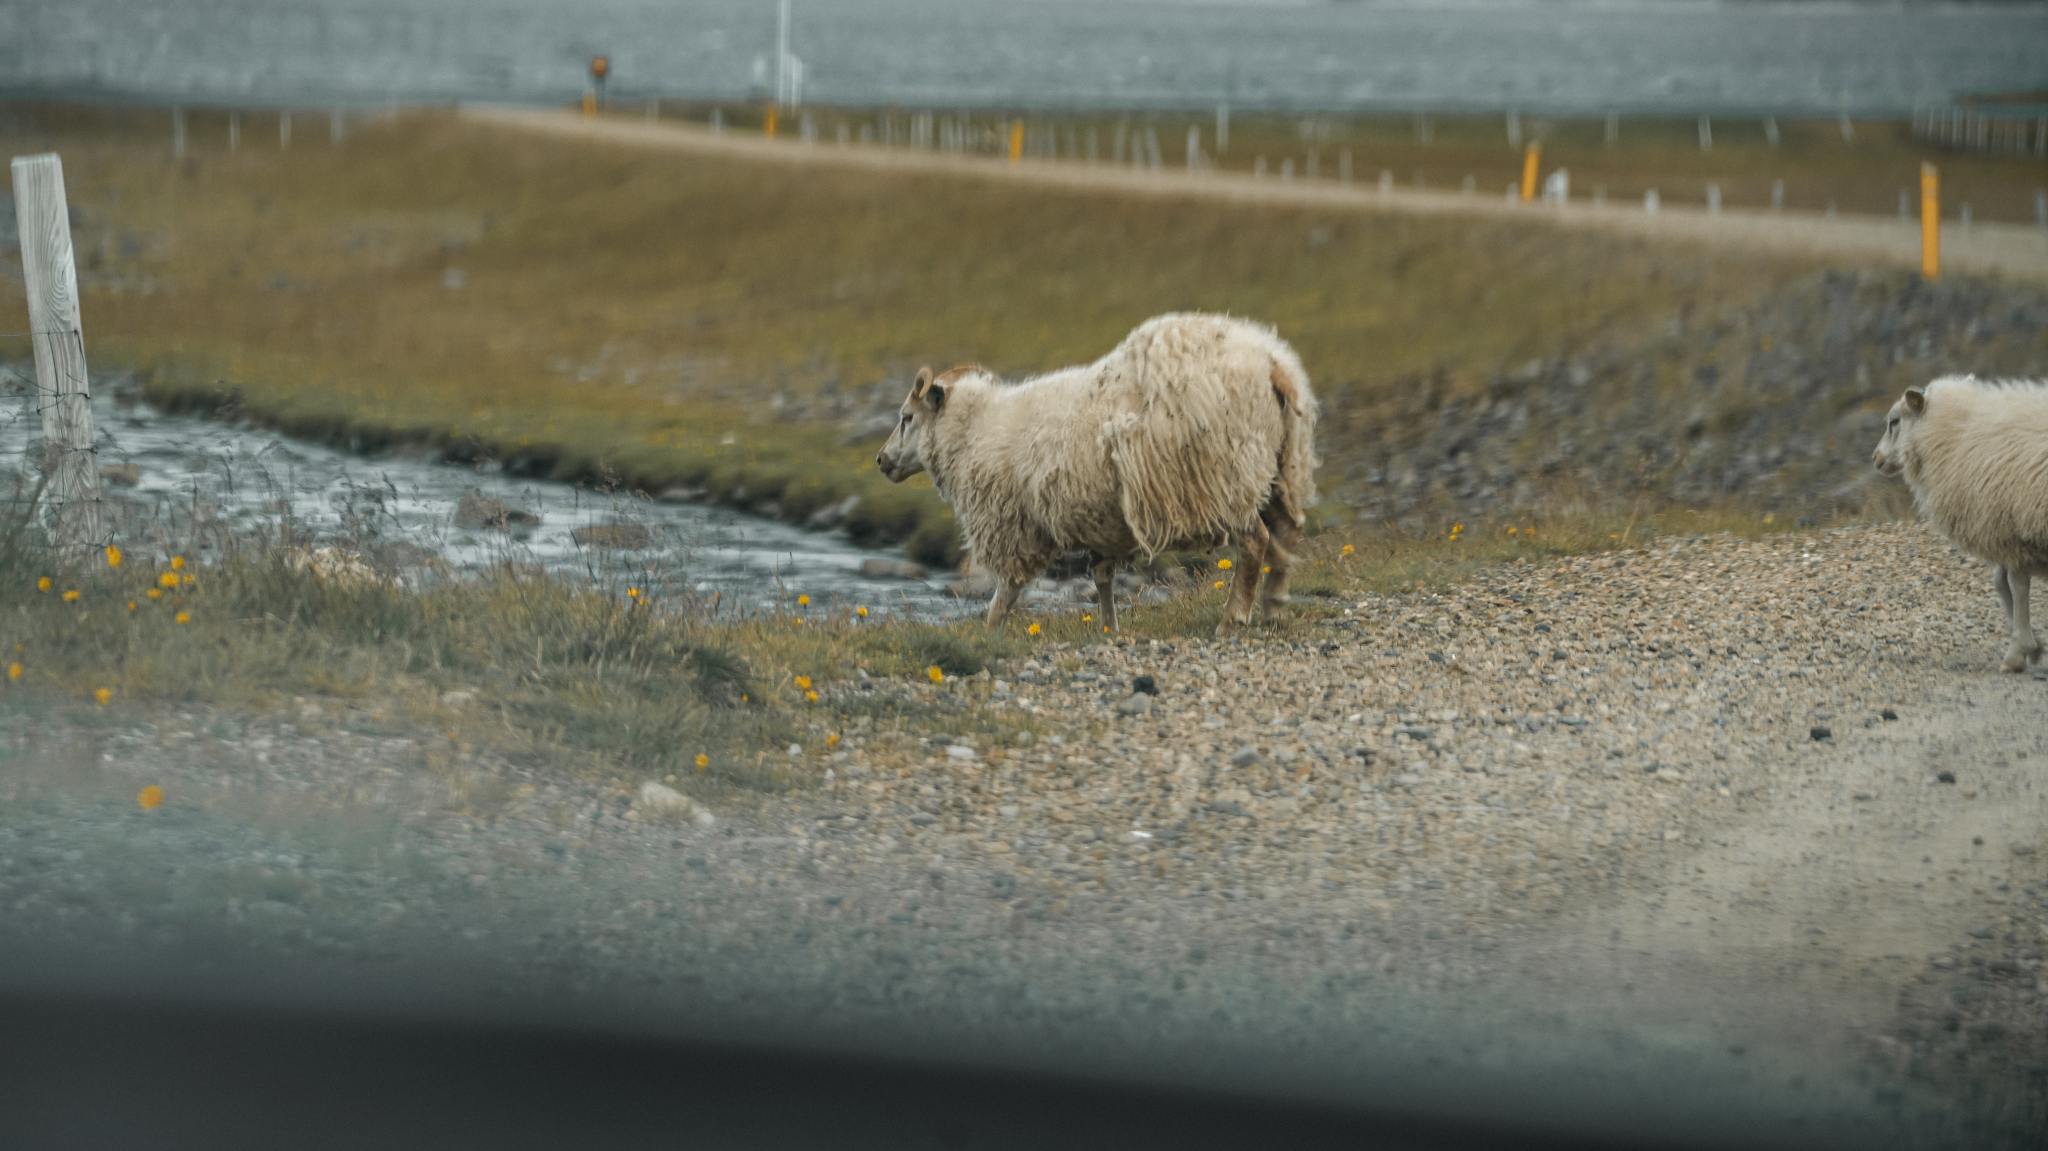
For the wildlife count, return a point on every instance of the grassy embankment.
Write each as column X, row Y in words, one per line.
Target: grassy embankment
column 665, row 321
column 623, row 315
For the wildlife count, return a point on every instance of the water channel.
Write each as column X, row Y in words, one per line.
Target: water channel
column 250, row 478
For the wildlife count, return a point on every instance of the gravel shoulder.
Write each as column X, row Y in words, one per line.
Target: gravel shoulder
column 1557, row 847
column 2014, row 250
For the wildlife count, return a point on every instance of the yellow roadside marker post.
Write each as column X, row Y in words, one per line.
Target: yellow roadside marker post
column 1930, row 222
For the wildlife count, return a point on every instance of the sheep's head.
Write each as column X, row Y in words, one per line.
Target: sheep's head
column 904, row 455
column 1890, row 454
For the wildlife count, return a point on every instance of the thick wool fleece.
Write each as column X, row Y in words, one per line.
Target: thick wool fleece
column 1176, row 439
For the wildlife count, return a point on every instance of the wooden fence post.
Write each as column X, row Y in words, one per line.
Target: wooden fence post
column 63, row 394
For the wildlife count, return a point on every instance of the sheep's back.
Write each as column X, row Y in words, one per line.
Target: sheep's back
column 1198, row 429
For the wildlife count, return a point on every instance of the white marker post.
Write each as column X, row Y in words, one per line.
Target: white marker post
column 63, row 392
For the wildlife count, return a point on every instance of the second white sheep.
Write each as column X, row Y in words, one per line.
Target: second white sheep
column 1975, row 454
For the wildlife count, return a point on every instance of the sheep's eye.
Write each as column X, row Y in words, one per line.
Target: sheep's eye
column 1894, row 423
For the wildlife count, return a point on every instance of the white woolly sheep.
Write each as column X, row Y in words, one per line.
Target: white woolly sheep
column 1975, row 454
column 1196, row 432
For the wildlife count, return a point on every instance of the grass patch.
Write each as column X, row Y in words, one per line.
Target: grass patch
column 563, row 677
column 654, row 321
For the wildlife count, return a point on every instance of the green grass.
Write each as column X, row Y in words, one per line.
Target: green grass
column 655, row 320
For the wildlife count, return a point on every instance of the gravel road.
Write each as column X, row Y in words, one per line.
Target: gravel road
column 1739, row 840
column 2012, row 249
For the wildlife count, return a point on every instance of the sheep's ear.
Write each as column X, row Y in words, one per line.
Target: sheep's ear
column 1916, row 400
column 923, row 386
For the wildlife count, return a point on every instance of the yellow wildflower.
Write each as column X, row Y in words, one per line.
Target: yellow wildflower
column 1219, row 585
column 43, row 584
column 803, row 601
column 149, row 797
column 167, row 580
column 934, row 674
column 632, row 593
column 104, row 694
column 832, row 740
column 113, row 556
column 190, row 578
column 1224, row 564
column 184, row 617
column 703, row 761
column 1032, row 630
column 812, row 696
column 177, row 562
column 1347, row 549
column 155, row 594
column 70, row 596
column 131, row 605
column 861, row 612
column 13, row 672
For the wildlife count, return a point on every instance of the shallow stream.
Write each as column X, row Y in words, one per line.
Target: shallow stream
column 248, row 478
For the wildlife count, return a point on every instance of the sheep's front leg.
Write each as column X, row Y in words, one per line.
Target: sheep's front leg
column 1251, row 556
column 2026, row 648
column 1282, row 534
column 2001, row 582
column 1005, row 599
column 1104, row 571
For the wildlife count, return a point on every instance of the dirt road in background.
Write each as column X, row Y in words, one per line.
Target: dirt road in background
column 2012, row 249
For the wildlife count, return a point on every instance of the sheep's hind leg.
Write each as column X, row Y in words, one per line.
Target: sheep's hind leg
column 2026, row 647
column 1283, row 534
column 1005, row 599
column 1104, row 571
column 2001, row 582
column 1251, row 556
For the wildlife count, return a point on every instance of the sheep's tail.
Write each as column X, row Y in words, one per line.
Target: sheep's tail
column 1295, row 483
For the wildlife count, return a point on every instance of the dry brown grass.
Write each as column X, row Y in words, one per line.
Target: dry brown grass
column 624, row 314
